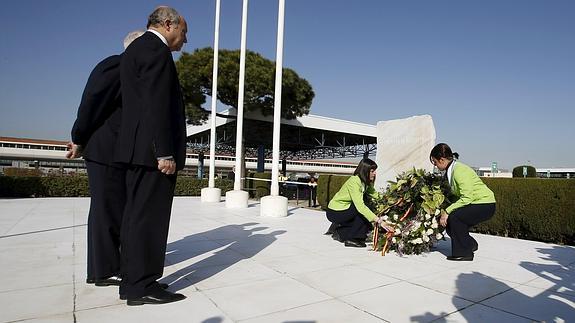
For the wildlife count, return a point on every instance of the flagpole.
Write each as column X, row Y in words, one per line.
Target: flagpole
column 211, row 193
column 238, row 198
column 274, row 204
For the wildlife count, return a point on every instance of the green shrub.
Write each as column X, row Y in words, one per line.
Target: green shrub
column 327, row 186
column 22, row 172
column 21, row 186
column 77, row 186
column 192, row 186
column 260, row 188
column 65, row 186
column 518, row 171
column 532, row 208
column 50, row 186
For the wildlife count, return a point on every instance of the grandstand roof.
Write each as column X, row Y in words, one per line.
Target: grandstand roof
column 307, row 132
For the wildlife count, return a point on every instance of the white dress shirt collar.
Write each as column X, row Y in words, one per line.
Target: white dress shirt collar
column 162, row 38
column 450, row 171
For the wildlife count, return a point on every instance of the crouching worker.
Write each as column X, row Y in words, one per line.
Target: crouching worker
column 351, row 219
column 475, row 202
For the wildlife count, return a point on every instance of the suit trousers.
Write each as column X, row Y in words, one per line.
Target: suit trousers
column 107, row 200
column 459, row 222
column 145, row 229
column 349, row 224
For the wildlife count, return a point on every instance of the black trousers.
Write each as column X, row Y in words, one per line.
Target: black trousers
column 145, row 229
column 313, row 196
column 459, row 222
column 107, row 200
column 349, row 224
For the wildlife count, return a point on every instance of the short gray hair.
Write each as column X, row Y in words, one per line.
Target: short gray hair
column 131, row 37
column 161, row 14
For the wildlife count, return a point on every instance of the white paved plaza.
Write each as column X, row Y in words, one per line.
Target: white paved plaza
column 235, row 266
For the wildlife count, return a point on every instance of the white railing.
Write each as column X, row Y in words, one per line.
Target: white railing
column 43, row 151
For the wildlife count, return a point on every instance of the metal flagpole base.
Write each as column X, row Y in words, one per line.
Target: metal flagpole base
column 211, row 194
column 237, row 199
column 274, row 206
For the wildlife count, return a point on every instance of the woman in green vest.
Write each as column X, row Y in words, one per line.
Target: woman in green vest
column 351, row 219
column 475, row 202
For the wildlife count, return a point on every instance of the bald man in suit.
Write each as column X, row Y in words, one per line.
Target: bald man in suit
column 152, row 145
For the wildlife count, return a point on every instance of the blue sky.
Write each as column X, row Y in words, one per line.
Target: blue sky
column 497, row 76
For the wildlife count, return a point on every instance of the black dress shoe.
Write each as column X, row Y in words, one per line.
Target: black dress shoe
column 460, row 258
column 336, row 236
column 90, row 280
column 158, row 297
column 162, row 286
column 110, row 281
column 331, row 229
column 354, row 243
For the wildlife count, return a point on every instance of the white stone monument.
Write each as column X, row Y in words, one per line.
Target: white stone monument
column 403, row 144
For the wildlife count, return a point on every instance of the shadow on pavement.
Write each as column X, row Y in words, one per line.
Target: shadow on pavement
column 554, row 299
column 238, row 241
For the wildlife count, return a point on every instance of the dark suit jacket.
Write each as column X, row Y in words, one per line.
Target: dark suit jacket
column 153, row 119
column 98, row 120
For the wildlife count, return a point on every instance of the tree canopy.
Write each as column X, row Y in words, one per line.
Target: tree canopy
column 195, row 74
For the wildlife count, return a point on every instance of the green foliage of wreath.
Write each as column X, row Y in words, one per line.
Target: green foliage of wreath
column 412, row 205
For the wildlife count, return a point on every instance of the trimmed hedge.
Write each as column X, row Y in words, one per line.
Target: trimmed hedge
column 192, row 186
column 527, row 208
column 327, row 186
column 532, row 208
column 75, row 186
column 50, row 186
column 259, row 188
column 17, row 171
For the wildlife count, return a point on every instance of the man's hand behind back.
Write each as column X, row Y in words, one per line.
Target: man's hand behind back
column 74, row 151
column 167, row 166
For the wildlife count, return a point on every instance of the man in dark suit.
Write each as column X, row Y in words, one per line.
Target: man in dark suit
column 152, row 144
column 93, row 137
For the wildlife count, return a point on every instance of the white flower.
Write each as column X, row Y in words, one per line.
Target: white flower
column 385, row 217
column 427, row 216
column 429, row 232
column 426, row 224
column 395, row 217
column 434, row 220
column 437, row 211
column 397, row 231
column 434, row 225
column 394, row 240
column 439, row 236
column 417, row 241
column 425, row 239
